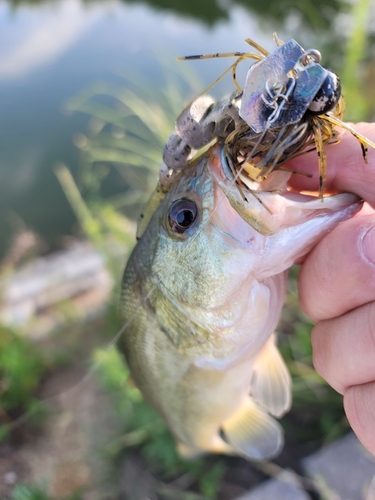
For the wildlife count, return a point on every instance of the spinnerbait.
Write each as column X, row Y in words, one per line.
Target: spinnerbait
column 290, row 104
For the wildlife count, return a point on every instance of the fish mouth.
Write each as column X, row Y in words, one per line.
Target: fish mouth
column 269, row 205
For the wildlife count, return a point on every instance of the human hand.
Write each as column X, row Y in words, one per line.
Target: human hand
column 337, row 284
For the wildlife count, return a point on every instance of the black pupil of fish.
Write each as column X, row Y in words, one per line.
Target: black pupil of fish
column 185, row 218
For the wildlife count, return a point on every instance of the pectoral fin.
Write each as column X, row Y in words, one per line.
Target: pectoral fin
column 271, row 383
column 181, row 329
column 253, row 433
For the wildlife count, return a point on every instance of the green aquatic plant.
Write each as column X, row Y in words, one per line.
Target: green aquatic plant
column 123, row 146
column 21, row 372
column 128, row 127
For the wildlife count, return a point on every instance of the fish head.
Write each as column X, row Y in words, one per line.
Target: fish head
column 207, row 226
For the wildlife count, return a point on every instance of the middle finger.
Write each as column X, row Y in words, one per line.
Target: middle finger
column 344, row 348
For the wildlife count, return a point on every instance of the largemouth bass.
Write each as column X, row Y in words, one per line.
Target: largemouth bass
column 202, row 294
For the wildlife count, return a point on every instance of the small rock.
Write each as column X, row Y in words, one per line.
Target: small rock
column 69, row 477
column 343, row 470
column 10, row 478
column 285, row 486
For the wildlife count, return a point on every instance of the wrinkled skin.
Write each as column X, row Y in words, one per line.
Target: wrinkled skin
column 200, row 307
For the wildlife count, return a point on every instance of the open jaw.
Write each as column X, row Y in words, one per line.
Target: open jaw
column 269, row 205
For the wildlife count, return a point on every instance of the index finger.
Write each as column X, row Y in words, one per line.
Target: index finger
column 346, row 168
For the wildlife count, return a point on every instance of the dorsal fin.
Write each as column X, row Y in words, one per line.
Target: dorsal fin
column 156, row 198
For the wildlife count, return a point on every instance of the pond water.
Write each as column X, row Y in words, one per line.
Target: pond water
column 50, row 51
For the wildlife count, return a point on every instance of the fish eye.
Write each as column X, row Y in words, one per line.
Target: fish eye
column 182, row 215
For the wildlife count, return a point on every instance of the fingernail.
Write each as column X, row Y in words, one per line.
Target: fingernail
column 368, row 245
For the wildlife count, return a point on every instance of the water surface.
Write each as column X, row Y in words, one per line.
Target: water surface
column 50, row 51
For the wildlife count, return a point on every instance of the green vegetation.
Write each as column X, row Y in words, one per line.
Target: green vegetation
column 352, row 76
column 24, row 492
column 37, row 492
column 127, row 130
column 21, row 370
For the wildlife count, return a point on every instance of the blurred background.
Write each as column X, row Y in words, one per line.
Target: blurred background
column 89, row 92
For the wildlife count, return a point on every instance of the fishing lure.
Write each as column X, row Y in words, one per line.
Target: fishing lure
column 290, row 105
